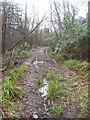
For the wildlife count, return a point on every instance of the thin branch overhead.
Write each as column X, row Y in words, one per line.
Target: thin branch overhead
column 28, row 33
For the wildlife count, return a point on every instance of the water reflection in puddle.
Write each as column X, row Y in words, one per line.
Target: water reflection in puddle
column 27, row 63
column 34, row 63
column 44, row 90
column 37, row 62
column 35, row 115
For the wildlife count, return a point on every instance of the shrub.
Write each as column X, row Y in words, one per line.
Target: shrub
column 58, row 56
column 81, row 67
column 11, row 89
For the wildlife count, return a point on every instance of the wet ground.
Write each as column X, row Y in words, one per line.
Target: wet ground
column 33, row 104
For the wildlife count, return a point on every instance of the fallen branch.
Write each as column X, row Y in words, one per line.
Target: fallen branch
column 10, row 50
column 25, row 36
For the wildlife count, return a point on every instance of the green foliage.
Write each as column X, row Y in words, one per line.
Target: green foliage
column 11, row 89
column 55, row 91
column 17, row 72
column 57, row 110
column 52, row 43
column 57, row 56
column 72, row 41
column 50, row 50
column 75, row 40
column 55, row 88
column 52, row 76
column 24, row 53
column 33, row 49
column 62, row 89
column 83, row 105
column 39, row 82
column 25, row 46
column 81, row 89
column 81, row 67
column 75, row 64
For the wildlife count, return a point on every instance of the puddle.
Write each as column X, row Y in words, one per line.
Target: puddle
column 34, row 63
column 35, row 115
column 37, row 62
column 45, row 106
column 44, row 90
column 27, row 63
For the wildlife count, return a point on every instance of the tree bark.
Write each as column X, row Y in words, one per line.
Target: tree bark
column 4, row 30
column 89, row 31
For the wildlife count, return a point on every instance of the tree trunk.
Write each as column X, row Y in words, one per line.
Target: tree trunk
column 0, row 35
column 89, row 31
column 4, row 31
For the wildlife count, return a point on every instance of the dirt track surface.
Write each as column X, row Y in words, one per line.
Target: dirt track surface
column 33, row 104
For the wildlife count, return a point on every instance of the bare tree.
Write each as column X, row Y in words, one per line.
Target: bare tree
column 58, row 15
column 11, row 50
column 0, row 41
column 89, row 33
column 4, row 28
column 12, row 24
column 53, row 23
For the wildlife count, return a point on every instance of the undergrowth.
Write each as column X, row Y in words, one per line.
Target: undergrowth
column 59, row 56
column 24, row 53
column 64, row 90
column 55, row 90
column 39, row 82
column 11, row 91
column 57, row 109
column 81, row 67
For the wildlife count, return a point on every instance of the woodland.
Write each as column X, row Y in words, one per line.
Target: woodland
column 44, row 63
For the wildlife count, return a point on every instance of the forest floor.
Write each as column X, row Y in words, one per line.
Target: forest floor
column 33, row 104
column 72, row 94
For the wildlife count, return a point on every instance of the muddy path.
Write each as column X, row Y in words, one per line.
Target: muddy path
column 33, row 104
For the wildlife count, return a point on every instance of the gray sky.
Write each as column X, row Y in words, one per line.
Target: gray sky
column 42, row 5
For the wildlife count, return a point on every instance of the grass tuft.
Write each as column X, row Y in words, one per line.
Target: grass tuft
column 11, row 90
